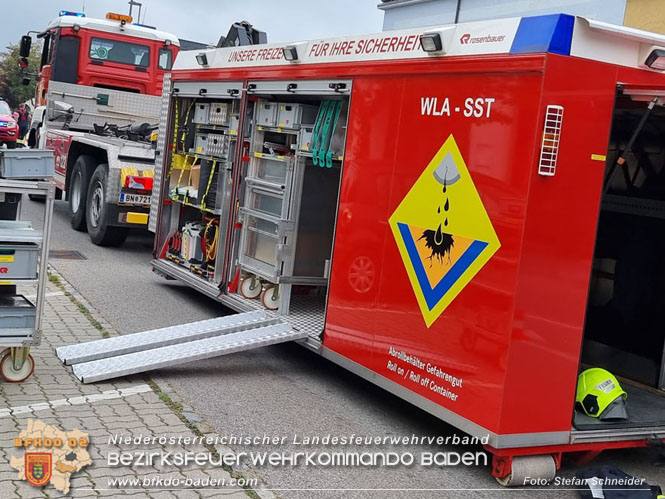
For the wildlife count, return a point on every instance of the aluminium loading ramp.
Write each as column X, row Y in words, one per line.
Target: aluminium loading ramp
column 139, row 352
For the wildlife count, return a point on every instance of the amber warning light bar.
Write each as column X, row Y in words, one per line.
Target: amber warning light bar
column 112, row 16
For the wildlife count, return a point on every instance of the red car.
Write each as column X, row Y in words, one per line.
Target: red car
column 8, row 126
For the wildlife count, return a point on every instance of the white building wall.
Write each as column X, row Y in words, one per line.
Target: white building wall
column 401, row 14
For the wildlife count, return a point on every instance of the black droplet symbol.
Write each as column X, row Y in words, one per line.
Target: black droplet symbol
column 438, row 210
column 447, row 205
column 438, row 237
column 444, row 183
column 446, row 222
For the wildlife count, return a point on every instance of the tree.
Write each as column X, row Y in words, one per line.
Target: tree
column 12, row 88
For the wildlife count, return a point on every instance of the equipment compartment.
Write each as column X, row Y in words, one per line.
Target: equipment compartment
column 625, row 326
column 290, row 199
column 274, row 219
column 199, row 181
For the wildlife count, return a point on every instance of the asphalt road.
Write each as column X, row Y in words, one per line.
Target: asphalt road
column 282, row 390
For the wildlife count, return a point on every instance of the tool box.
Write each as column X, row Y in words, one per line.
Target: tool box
column 16, row 311
column 266, row 114
column 296, row 115
column 201, row 113
column 219, row 113
column 26, row 163
column 212, row 144
column 18, row 260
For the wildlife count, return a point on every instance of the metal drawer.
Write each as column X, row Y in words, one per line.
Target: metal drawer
column 16, row 312
column 305, row 138
column 219, row 113
column 272, row 169
column 18, row 261
column 261, row 238
column 263, row 242
column 212, row 144
column 218, row 145
column 201, row 113
column 264, row 201
column 266, row 113
column 27, row 163
column 295, row 115
column 234, row 125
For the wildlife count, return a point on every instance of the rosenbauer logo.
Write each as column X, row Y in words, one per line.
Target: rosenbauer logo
column 466, row 39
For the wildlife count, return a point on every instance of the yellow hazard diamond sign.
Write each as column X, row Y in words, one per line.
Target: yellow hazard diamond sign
column 443, row 232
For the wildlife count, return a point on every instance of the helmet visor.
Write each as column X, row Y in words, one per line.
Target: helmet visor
column 616, row 411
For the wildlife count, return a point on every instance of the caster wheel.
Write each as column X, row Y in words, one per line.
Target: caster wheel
column 250, row 288
column 540, row 467
column 270, row 298
column 8, row 372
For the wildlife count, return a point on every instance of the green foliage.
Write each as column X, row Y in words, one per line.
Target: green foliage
column 11, row 74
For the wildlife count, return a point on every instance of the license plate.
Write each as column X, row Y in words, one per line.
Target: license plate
column 135, row 198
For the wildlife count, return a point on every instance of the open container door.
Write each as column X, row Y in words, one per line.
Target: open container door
column 288, row 195
column 625, row 322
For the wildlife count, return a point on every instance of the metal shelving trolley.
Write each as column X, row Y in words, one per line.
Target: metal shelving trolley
column 24, row 254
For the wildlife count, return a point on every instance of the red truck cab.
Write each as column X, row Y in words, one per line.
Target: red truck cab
column 99, row 78
column 106, row 53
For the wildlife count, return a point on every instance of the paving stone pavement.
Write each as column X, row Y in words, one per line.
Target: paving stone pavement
column 128, row 406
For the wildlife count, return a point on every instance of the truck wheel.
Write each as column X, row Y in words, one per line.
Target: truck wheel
column 97, row 212
column 536, row 467
column 78, row 190
column 11, row 145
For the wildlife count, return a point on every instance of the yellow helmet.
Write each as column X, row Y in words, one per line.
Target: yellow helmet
column 600, row 395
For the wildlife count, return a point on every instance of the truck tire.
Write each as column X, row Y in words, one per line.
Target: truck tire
column 97, row 212
column 78, row 190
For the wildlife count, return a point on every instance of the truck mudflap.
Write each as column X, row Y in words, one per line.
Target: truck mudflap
column 131, row 217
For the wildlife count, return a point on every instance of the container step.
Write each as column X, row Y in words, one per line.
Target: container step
column 166, row 356
column 156, row 338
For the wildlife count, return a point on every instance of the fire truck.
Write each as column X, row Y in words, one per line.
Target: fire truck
column 466, row 215
column 98, row 97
